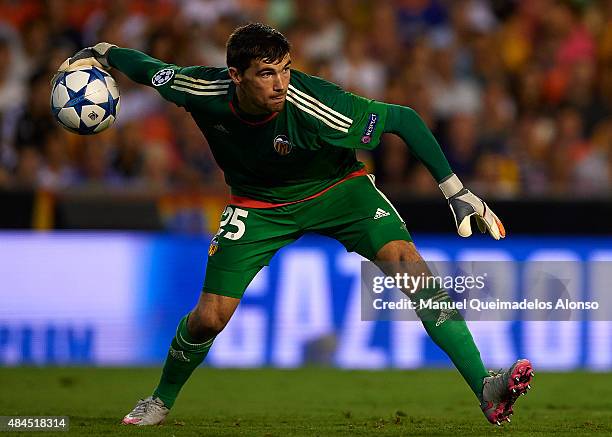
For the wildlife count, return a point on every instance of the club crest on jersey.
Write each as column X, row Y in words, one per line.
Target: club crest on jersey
column 214, row 246
column 369, row 129
column 282, row 145
column 162, row 77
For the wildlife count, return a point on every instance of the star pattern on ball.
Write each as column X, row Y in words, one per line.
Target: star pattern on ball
column 78, row 101
column 88, row 113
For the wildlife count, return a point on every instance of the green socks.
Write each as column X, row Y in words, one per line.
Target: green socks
column 183, row 357
column 449, row 331
column 445, row 327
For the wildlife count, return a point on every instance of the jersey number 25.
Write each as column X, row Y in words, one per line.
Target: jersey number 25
column 234, row 218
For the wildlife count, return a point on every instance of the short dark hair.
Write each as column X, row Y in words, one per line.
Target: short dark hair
column 255, row 41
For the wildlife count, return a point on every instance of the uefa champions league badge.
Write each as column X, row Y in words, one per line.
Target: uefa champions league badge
column 162, row 77
column 369, row 129
column 282, row 145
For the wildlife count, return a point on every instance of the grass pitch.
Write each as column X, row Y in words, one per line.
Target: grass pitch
column 306, row 402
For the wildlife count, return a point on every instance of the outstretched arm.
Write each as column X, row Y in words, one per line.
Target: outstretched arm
column 409, row 126
column 138, row 66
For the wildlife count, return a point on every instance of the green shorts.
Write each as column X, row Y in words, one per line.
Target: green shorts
column 353, row 212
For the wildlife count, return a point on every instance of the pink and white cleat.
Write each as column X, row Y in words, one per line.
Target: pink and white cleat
column 149, row 411
column 502, row 389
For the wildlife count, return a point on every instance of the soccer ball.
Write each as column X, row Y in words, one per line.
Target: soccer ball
column 85, row 100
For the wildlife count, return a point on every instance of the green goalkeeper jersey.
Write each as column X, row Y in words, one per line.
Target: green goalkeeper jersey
column 285, row 157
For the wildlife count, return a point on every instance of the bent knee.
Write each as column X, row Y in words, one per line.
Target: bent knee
column 399, row 250
column 204, row 325
column 211, row 315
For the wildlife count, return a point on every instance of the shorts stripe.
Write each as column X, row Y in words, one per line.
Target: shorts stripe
column 371, row 179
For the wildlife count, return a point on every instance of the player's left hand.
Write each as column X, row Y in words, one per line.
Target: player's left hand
column 464, row 204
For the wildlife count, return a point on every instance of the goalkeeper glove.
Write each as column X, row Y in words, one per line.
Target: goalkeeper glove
column 464, row 205
column 90, row 56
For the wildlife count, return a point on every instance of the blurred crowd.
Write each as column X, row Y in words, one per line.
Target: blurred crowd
column 518, row 92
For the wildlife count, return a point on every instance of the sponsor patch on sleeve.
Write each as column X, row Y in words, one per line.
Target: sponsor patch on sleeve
column 369, row 128
column 162, row 77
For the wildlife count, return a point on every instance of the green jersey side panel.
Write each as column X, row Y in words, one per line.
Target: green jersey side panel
column 288, row 156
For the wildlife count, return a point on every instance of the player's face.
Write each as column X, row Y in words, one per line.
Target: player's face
column 262, row 88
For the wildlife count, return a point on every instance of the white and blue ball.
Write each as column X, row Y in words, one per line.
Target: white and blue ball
column 85, row 100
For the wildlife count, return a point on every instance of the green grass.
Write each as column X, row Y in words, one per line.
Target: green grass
column 306, row 402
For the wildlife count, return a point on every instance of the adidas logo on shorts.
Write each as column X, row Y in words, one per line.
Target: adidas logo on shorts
column 380, row 213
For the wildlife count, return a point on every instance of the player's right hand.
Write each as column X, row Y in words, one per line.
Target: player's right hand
column 464, row 204
column 90, row 56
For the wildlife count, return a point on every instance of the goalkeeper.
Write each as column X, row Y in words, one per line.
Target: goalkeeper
column 286, row 143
